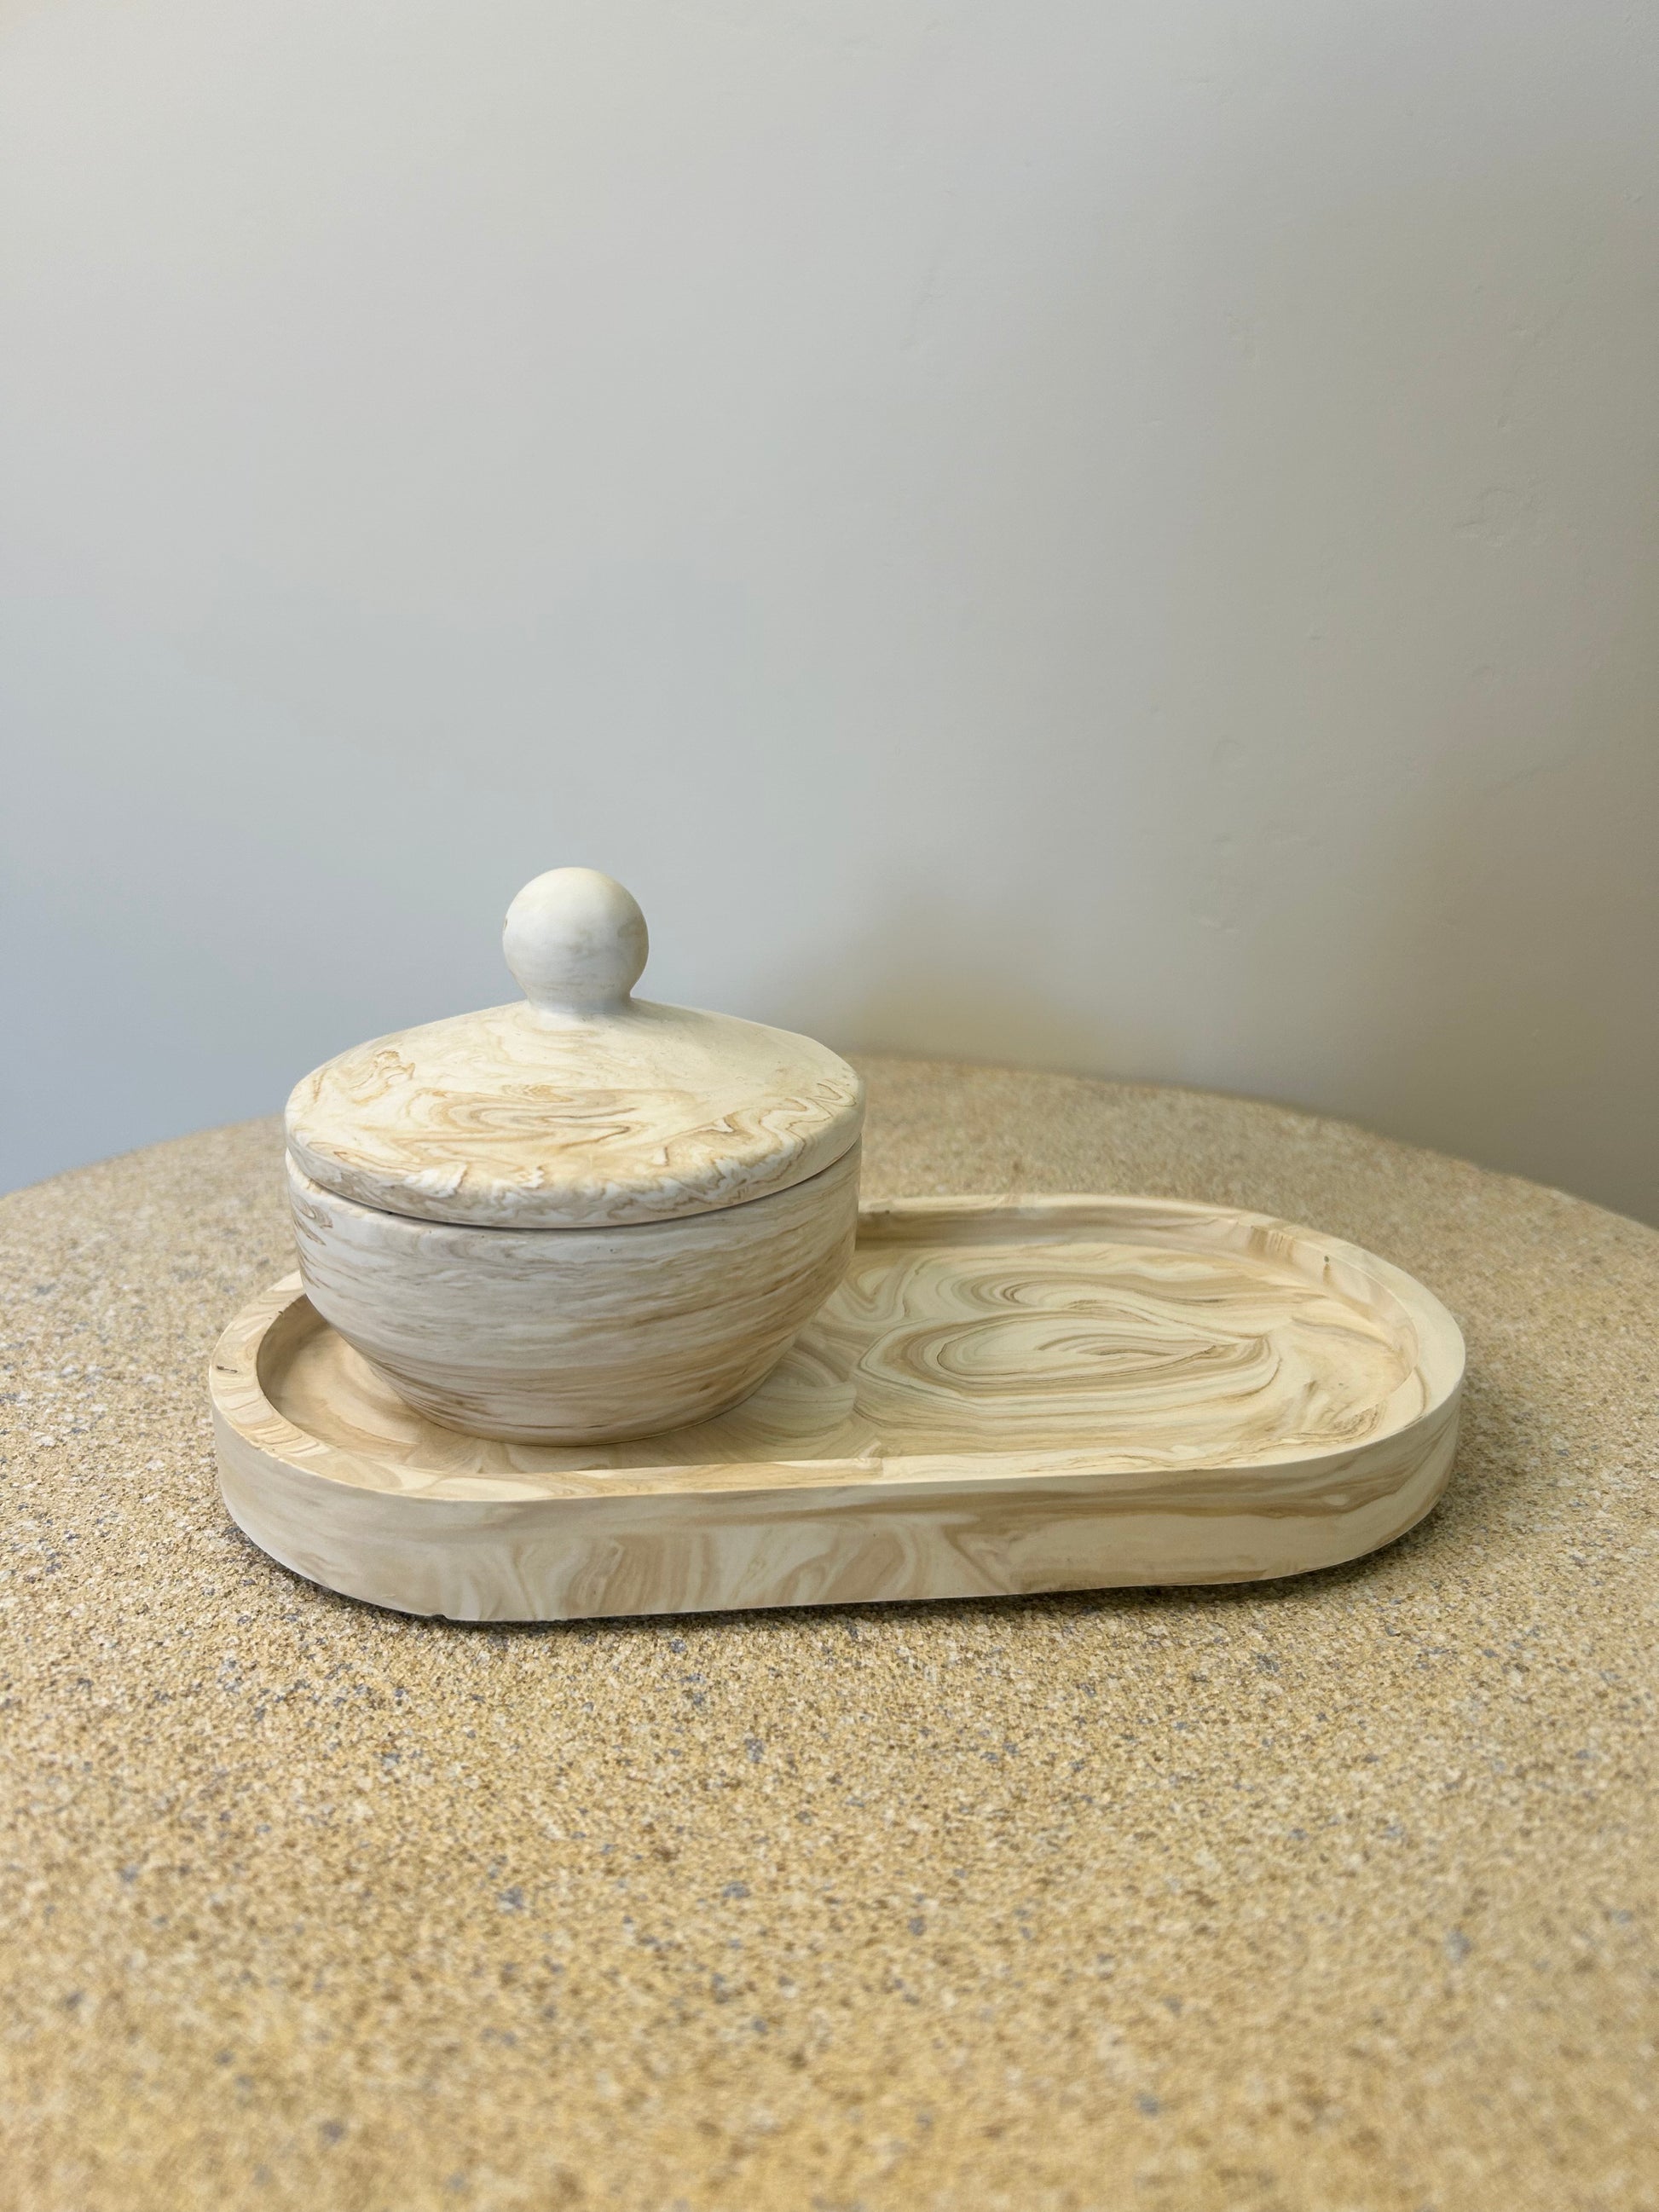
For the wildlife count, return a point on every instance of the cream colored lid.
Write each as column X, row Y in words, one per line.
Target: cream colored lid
column 580, row 1106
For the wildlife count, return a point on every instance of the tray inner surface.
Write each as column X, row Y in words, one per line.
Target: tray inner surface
column 1159, row 1339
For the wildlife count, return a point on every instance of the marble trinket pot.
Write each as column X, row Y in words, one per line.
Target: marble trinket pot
column 583, row 1217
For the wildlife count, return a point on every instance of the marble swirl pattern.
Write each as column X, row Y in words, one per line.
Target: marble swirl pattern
column 501, row 1119
column 1002, row 1396
column 1134, row 1356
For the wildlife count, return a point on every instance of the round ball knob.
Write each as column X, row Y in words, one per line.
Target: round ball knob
column 575, row 942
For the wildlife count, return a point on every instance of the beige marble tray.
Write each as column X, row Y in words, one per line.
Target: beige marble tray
column 1002, row 1397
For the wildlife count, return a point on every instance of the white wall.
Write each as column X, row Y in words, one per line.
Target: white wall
column 1121, row 537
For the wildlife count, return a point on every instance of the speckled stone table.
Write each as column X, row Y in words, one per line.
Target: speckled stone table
column 1336, row 1894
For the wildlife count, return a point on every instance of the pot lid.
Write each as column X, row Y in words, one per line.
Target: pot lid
column 579, row 1106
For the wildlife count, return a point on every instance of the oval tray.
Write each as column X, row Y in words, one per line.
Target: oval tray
column 1003, row 1396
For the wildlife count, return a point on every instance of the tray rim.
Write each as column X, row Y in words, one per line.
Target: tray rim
column 239, row 1403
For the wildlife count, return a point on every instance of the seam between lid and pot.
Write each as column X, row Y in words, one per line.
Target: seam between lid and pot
column 335, row 1183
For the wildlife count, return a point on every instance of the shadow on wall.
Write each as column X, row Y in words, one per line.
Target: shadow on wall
column 935, row 977
column 1462, row 1000
column 1516, row 1027
column 1398, row 806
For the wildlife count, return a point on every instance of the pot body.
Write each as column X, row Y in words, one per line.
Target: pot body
column 570, row 1336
